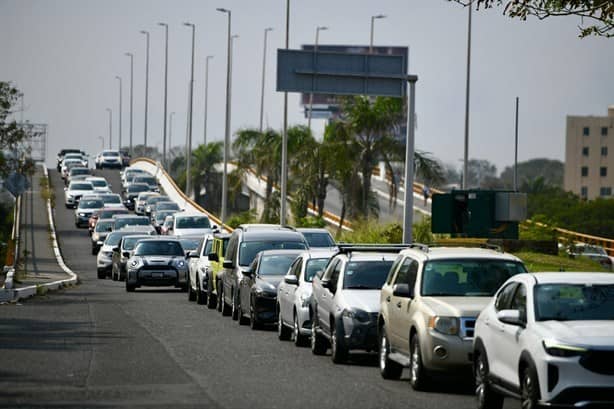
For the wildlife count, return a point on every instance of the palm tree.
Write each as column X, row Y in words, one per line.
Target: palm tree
column 204, row 159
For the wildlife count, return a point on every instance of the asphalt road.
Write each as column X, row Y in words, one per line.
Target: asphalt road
column 97, row 346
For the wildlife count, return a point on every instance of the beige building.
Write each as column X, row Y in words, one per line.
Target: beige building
column 589, row 155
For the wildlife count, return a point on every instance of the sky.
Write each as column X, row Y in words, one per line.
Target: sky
column 64, row 55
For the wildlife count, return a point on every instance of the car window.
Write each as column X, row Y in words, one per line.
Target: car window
column 366, row 275
column 329, row 270
column 158, row 248
column 318, row 239
column 192, row 222
column 519, row 301
column 81, row 186
column 393, row 269
column 208, row 244
column 189, row 244
column 111, row 199
column 503, row 299
column 574, row 302
column 90, row 204
column 249, row 249
column 335, row 274
column 103, row 226
column 295, row 268
column 407, row 272
column 275, row 264
column 314, row 266
column 129, row 242
column 232, row 247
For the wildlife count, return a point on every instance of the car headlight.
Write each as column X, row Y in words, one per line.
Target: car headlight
column 445, row 325
column 107, row 254
column 356, row 314
column 180, row 263
column 559, row 349
column 135, row 264
column 82, row 214
column 95, row 237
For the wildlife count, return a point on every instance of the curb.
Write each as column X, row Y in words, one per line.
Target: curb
column 17, row 294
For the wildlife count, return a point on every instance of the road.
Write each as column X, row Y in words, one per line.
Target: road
column 97, row 346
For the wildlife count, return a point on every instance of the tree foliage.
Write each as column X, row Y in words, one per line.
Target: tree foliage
column 549, row 170
column 12, row 135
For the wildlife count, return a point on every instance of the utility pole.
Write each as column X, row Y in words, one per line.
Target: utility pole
column 146, row 85
column 131, row 92
column 266, row 31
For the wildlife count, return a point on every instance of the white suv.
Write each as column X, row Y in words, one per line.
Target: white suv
column 547, row 338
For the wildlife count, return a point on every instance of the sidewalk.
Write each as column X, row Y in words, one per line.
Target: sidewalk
column 40, row 266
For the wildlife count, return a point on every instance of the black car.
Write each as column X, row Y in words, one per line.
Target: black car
column 132, row 192
column 258, row 287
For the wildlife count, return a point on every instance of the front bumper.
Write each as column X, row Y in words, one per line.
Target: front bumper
column 157, row 277
column 265, row 307
column 455, row 353
column 82, row 220
column 360, row 335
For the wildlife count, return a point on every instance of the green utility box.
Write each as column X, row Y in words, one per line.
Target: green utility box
column 479, row 213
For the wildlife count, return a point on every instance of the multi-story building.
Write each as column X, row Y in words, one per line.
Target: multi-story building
column 589, row 155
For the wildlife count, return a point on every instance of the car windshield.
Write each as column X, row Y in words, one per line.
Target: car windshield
column 138, row 188
column 109, row 213
column 167, row 206
column 79, row 171
column 193, row 222
column 313, row 266
column 90, row 204
column 144, row 179
column 113, row 238
column 275, row 264
column 114, row 199
column 156, row 198
column 104, row 226
column 590, row 250
column 98, row 183
column 81, row 186
column 574, row 302
column 249, row 249
column 158, row 248
column 130, row 242
column 131, row 221
column 189, row 244
column 467, row 277
column 160, row 216
column 318, row 239
column 109, row 154
column 366, row 275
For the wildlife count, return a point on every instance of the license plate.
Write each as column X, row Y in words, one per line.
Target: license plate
column 157, row 275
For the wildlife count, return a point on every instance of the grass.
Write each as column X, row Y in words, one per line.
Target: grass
column 544, row 262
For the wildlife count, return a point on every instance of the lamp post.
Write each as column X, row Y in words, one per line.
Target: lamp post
column 170, row 130
column 146, row 85
column 207, row 58
column 266, row 31
column 284, row 137
column 165, row 91
column 110, row 111
column 188, row 171
column 466, row 156
column 131, row 91
column 315, row 50
column 117, row 77
column 227, row 126
column 373, row 18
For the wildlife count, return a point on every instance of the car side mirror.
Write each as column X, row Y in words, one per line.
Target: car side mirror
column 115, row 249
column 213, row 257
column 291, row 279
column 192, row 254
column 126, row 254
column 228, row 264
column 248, row 273
column 402, row 290
column 511, row 317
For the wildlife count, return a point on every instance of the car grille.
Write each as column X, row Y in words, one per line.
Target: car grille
column 601, row 362
column 467, row 327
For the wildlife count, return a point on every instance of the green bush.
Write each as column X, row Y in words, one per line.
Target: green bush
column 373, row 232
column 310, row 221
column 242, row 218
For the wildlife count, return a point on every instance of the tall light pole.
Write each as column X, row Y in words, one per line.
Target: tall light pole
column 188, row 171
column 117, row 77
column 165, row 91
column 207, row 58
column 315, row 50
column 146, row 84
column 110, row 111
column 466, row 156
column 131, row 92
column 266, row 31
column 373, row 18
column 227, row 126
column 284, row 137
column 170, row 130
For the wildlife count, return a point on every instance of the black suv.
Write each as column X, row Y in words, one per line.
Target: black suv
column 245, row 242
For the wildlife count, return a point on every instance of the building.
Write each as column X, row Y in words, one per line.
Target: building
column 589, row 155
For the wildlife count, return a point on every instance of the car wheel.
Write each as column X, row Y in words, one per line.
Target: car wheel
column 297, row 337
column 201, row 296
column 253, row 320
column 388, row 368
column 191, row 292
column 113, row 275
column 234, row 314
column 339, row 351
column 130, row 288
column 486, row 397
column 418, row 378
column 101, row 274
column 318, row 342
column 529, row 389
column 225, row 307
column 283, row 332
column 94, row 251
column 220, row 297
column 243, row 320
column 211, row 299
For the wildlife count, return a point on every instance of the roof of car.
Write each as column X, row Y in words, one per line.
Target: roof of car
column 574, row 278
column 435, row 253
column 272, row 234
column 95, row 178
column 312, row 230
column 129, row 216
column 280, row 252
column 368, row 256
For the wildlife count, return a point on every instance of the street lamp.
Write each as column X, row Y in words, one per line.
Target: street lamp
column 110, row 111
column 373, row 18
column 284, row 137
column 188, row 184
column 227, row 126
column 131, row 92
column 315, row 50
column 170, row 130
column 117, row 77
column 207, row 58
column 165, row 91
column 266, row 31
column 146, row 84
column 466, row 150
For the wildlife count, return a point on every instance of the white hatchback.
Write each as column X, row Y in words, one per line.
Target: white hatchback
column 548, row 339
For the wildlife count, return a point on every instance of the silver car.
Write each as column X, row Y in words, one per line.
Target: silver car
column 294, row 295
column 157, row 262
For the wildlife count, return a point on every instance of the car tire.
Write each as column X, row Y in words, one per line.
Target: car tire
column 254, row 324
column 130, row 288
column 211, row 298
column 243, row 320
column 220, row 297
column 225, row 307
column 318, row 342
column 234, row 312
column 529, row 388
column 339, row 351
column 388, row 368
column 201, row 296
column 114, row 277
column 298, row 339
column 191, row 292
column 418, row 376
column 283, row 332
column 486, row 397
column 94, row 251
column 101, row 274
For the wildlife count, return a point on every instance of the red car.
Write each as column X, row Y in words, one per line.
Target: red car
column 104, row 213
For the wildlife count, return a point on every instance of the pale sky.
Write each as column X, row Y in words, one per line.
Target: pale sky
column 65, row 54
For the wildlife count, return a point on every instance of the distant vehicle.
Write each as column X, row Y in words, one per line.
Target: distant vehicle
column 62, row 153
column 126, row 157
column 216, row 264
column 112, row 200
column 593, row 252
column 79, row 156
column 74, row 191
column 148, row 180
column 109, row 159
column 163, row 206
column 122, row 220
column 190, row 224
column 85, row 209
column 167, row 225
column 102, row 229
column 159, row 262
column 100, row 184
column 129, row 173
column 104, row 213
column 151, row 200
column 67, row 165
column 189, row 243
column 318, row 238
column 132, row 192
column 77, row 171
column 160, row 217
column 141, row 200
column 548, row 339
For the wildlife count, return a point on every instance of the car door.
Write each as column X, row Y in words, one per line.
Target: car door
column 320, row 293
column 398, row 308
column 494, row 337
column 229, row 273
column 287, row 291
column 327, row 304
column 510, row 337
column 245, row 285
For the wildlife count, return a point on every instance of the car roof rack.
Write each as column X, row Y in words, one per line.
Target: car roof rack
column 344, row 248
column 476, row 243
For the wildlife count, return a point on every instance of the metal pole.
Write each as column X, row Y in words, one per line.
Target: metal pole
column 120, row 111
column 266, row 31
column 131, row 94
column 146, row 86
column 227, row 126
column 110, row 111
column 315, row 50
column 188, row 184
column 284, row 138
column 170, row 130
column 206, row 96
column 165, row 92
column 466, row 156
column 408, row 213
column 378, row 16
column 516, row 151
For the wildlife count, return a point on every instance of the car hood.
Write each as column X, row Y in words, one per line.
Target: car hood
column 270, row 283
column 191, row 232
column 586, row 333
column 456, row 306
column 366, row 300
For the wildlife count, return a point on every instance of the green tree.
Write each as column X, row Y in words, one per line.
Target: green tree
column 550, row 170
column 204, row 160
column 12, row 135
